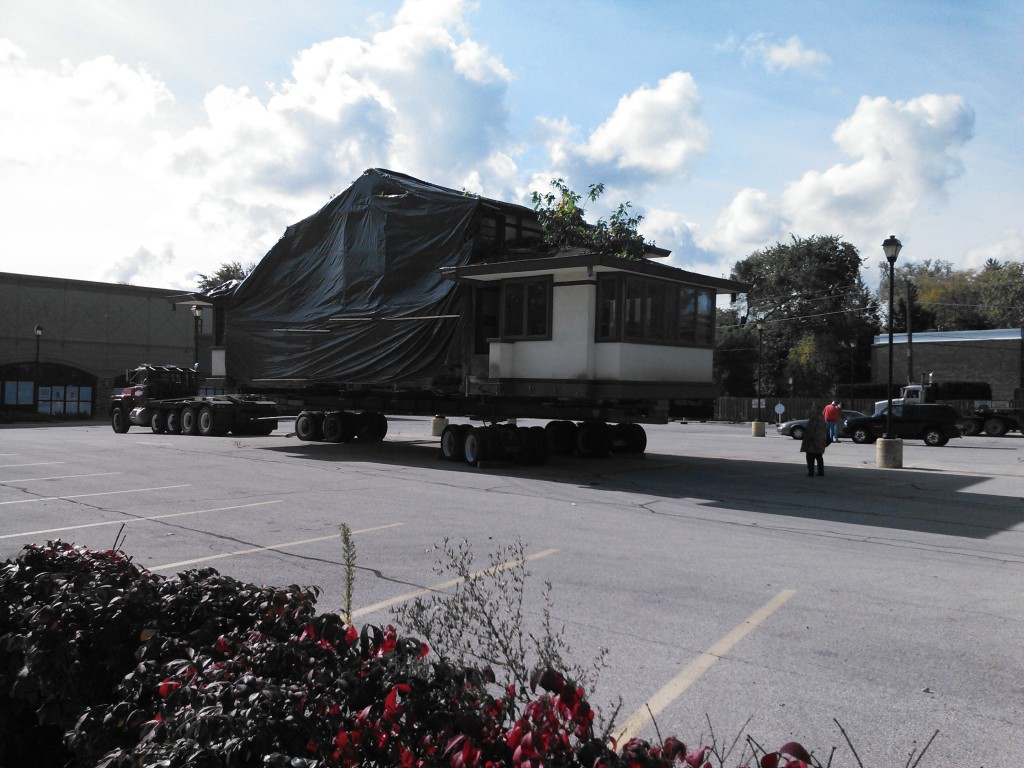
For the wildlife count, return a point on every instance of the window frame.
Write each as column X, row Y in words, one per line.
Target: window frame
column 546, row 285
column 615, row 292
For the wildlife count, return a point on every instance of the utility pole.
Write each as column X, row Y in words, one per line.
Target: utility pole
column 910, row 331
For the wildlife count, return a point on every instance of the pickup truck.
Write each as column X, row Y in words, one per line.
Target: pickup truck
column 935, row 424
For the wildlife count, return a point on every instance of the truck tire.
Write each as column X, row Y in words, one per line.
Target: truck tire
column 561, row 437
column 338, row 427
column 935, row 437
column 861, row 435
column 207, row 421
column 636, row 438
column 476, row 446
column 156, row 423
column 189, row 421
column 308, row 426
column 371, row 426
column 535, row 445
column 172, row 422
column 453, row 440
column 594, row 439
column 119, row 420
column 995, row 427
column 969, row 427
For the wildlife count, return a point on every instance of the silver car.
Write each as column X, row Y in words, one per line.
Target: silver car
column 795, row 427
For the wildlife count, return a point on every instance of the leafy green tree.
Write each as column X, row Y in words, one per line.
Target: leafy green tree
column 229, row 270
column 819, row 319
column 561, row 215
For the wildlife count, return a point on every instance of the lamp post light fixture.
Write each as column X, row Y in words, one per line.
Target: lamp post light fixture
column 197, row 315
column 891, row 247
column 759, row 323
column 39, row 336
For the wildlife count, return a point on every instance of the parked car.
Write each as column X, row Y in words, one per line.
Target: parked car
column 935, row 424
column 795, row 427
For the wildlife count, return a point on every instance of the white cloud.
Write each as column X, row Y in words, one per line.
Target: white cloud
column 775, row 57
column 1009, row 246
column 654, row 131
column 749, row 222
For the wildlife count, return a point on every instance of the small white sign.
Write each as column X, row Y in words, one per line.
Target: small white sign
column 780, row 409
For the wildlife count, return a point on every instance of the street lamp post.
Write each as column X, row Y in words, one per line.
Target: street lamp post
column 35, row 392
column 39, row 336
column 197, row 316
column 760, row 349
column 891, row 247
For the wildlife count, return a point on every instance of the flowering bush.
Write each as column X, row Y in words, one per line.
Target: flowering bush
column 106, row 665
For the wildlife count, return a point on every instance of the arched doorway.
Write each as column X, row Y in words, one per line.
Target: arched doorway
column 49, row 389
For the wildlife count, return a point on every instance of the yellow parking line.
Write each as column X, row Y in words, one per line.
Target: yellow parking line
column 675, row 688
column 128, row 520
column 271, row 547
column 87, row 495
column 446, row 584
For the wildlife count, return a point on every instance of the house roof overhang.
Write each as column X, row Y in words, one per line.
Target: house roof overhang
column 592, row 264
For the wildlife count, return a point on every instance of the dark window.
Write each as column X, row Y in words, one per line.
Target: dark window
column 526, row 309
column 647, row 310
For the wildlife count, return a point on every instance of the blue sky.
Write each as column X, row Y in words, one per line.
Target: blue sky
column 145, row 141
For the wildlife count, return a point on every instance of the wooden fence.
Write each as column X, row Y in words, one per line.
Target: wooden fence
column 742, row 409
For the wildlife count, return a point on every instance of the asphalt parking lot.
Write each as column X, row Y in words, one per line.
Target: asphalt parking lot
column 725, row 583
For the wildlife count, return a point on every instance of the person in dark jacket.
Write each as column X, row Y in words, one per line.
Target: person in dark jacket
column 814, row 443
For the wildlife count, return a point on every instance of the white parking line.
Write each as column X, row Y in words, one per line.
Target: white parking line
column 56, row 477
column 674, row 689
column 271, row 547
column 87, row 495
column 446, row 584
column 128, row 520
column 33, row 464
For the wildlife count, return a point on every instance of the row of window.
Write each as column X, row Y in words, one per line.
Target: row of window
column 630, row 308
column 52, row 400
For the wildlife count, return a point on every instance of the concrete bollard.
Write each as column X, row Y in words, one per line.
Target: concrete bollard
column 757, row 429
column 889, row 453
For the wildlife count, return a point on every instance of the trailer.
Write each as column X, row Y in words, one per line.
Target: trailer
column 165, row 398
column 974, row 418
column 405, row 298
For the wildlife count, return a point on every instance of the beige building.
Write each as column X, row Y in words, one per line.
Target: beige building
column 63, row 343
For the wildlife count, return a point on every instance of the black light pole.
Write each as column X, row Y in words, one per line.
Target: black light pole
column 760, row 348
column 892, row 247
column 35, row 394
column 197, row 315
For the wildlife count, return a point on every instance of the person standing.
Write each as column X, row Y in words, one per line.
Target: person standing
column 814, row 443
column 833, row 414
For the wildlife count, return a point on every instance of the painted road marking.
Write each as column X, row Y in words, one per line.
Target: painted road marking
column 33, row 464
column 128, row 520
column 56, row 477
column 271, row 547
column 450, row 583
column 674, row 689
column 87, row 495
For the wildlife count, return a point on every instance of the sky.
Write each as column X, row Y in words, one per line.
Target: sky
column 148, row 142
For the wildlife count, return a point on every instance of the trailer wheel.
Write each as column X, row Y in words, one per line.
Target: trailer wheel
column 207, row 421
column 189, row 422
column 338, row 427
column 119, row 420
column 935, row 437
column 594, row 439
column 535, row 445
column 561, row 437
column 475, row 446
column 453, row 442
column 156, row 423
column 993, row 427
column 969, row 427
column 371, row 426
column 172, row 422
column 308, row 426
column 636, row 438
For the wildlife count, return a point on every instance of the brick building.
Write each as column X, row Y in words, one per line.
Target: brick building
column 995, row 356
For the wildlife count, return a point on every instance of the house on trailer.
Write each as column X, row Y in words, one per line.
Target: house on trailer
column 422, row 294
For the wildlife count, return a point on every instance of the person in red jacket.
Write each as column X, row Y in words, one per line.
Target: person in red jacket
column 832, row 414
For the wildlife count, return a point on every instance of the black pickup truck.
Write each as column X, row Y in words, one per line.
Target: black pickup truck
column 935, row 424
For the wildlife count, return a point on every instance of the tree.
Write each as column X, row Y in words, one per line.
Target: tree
column 561, row 216
column 229, row 270
column 819, row 317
